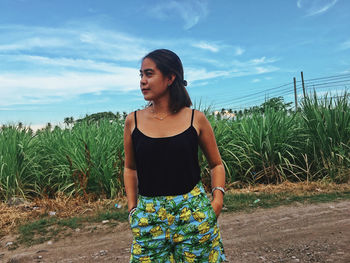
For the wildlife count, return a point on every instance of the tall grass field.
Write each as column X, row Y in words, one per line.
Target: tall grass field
column 269, row 146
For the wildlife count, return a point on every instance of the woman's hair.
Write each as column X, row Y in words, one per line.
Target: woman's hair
column 169, row 63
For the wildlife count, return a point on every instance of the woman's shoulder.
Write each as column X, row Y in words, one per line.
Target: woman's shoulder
column 199, row 116
column 133, row 116
column 130, row 118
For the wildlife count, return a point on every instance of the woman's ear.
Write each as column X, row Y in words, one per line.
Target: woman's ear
column 171, row 79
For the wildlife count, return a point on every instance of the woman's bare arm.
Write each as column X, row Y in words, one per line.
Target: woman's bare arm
column 209, row 147
column 130, row 174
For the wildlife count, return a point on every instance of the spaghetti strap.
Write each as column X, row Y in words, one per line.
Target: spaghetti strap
column 192, row 117
column 135, row 119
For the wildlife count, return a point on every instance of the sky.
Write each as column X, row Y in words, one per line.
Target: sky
column 64, row 58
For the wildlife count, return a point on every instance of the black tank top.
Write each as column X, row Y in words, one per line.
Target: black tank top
column 166, row 165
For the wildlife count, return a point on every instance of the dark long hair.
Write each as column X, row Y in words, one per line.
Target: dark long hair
column 169, row 63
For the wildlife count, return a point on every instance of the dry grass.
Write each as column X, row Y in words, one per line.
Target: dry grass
column 64, row 207
column 12, row 216
column 300, row 188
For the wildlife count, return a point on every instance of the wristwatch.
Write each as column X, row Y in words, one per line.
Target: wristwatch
column 218, row 188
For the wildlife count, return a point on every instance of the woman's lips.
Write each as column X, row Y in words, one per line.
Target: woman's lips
column 145, row 90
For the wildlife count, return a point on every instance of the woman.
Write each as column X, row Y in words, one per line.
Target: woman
column 171, row 218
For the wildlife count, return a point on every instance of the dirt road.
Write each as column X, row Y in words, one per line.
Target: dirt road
column 298, row 233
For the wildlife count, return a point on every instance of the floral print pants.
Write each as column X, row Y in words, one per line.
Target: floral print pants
column 181, row 228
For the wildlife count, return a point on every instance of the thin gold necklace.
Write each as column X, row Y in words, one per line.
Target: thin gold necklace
column 155, row 114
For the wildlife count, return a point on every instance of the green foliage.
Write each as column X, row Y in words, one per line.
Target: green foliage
column 327, row 124
column 261, row 146
column 85, row 159
column 96, row 117
column 16, row 160
column 264, row 147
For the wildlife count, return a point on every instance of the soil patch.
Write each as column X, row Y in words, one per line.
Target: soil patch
column 296, row 233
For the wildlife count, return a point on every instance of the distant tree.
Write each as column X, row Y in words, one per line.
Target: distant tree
column 96, row 117
column 124, row 115
column 48, row 126
column 276, row 103
column 66, row 121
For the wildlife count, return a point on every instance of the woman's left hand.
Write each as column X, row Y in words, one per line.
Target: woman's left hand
column 217, row 207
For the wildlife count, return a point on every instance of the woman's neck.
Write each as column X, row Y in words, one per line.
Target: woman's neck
column 160, row 107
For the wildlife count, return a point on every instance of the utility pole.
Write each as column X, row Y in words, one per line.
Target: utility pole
column 302, row 82
column 295, row 94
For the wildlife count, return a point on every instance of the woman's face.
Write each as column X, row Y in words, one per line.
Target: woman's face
column 153, row 83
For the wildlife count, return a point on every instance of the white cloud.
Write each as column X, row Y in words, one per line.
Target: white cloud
column 262, row 60
column 191, row 12
column 239, row 51
column 66, row 64
column 315, row 7
column 82, row 41
column 256, row 80
column 345, row 45
column 299, row 3
column 47, row 65
column 196, row 74
column 41, row 89
column 206, row 46
column 34, row 42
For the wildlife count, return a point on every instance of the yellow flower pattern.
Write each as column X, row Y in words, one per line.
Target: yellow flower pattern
column 203, row 228
column 213, row 256
column 175, row 219
column 150, row 208
column 156, row 231
column 204, row 238
column 171, row 219
column 199, row 216
column 178, row 238
column 167, row 234
column 185, row 214
column 137, row 249
column 162, row 213
column 143, row 221
column 145, row 260
column 190, row 257
column 136, row 232
column 195, row 191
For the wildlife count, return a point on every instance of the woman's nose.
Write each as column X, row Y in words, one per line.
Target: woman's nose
column 143, row 80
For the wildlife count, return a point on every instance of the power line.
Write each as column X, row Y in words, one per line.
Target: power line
column 330, row 77
column 287, row 90
column 252, row 95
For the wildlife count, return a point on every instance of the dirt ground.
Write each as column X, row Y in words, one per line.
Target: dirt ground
column 297, row 233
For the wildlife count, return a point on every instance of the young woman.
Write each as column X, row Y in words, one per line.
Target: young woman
column 171, row 218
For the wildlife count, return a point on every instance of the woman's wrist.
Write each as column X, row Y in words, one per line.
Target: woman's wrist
column 131, row 212
column 131, row 209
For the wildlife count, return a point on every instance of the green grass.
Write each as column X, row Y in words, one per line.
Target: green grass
column 252, row 201
column 49, row 228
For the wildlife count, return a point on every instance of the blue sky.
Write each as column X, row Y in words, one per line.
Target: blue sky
column 63, row 58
